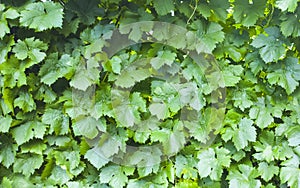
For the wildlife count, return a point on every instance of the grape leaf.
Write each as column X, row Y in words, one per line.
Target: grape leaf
column 232, row 75
column 86, row 75
column 88, row 127
column 289, row 5
column 14, row 72
column 87, row 11
column 7, row 151
column 271, row 47
column 58, row 122
column 96, row 158
column 5, row 47
column 163, row 58
column 163, row 7
column 264, row 148
column 185, row 166
column 129, row 77
column 214, row 9
column 247, row 13
column 42, row 15
column 212, row 161
column 289, row 25
column 290, row 172
column 241, row 135
column 28, row 163
column 145, row 164
column 5, row 122
column 267, row 171
column 30, row 48
column 54, row 68
column 25, row 102
column 286, row 74
column 115, row 175
column 27, row 131
column 244, row 176
column 262, row 113
column 4, row 15
column 209, row 35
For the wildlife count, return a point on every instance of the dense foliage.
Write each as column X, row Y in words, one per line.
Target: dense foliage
column 74, row 116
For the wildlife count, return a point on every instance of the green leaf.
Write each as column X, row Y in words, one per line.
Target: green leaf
column 8, row 151
column 262, row 113
column 69, row 159
column 14, row 73
column 25, row 102
column 163, row 7
column 289, row 5
column 286, row 74
column 160, row 110
column 289, row 25
column 176, row 140
column 28, row 163
column 163, row 58
column 293, row 135
column 30, row 48
column 264, row 148
column 96, row 158
column 35, row 146
column 290, row 173
column 145, row 164
column 6, row 183
column 4, row 15
column 86, row 75
column 5, row 47
column 243, row 99
column 214, row 9
column 54, row 68
column 186, row 167
column 241, row 135
column 88, row 127
column 244, row 176
column 59, row 123
column 27, row 131
column 209, row 35
column 247, row 13
column 271, row 46
column 87, row 11
column 129, row 77
column 267, row 171
column 127, row 107
column 115, row 175
column 5, row 123
column 211, row 163
column 42, row 15
column 59, row 175
column 232, row 75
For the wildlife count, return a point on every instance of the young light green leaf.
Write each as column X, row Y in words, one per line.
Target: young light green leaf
column 211, row 162
column 30, row 48
column 115, row 176
column 42, row 15
column 289, row 5
column 25, row 102
column 244, row 176
column 267, row 171
column 5, row 122
column 28, row 163
column 28, row 130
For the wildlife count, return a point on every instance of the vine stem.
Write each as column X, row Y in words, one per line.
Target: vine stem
column 196, row 6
